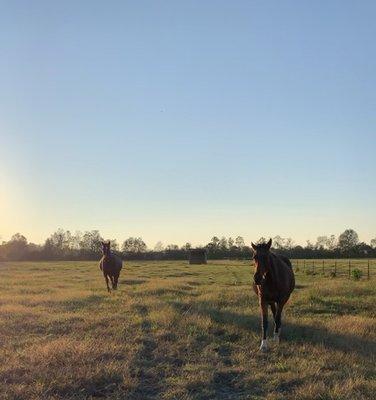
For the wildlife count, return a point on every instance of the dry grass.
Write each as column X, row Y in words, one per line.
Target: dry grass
column 174, row 331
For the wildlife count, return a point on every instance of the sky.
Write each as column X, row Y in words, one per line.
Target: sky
column 180, row 120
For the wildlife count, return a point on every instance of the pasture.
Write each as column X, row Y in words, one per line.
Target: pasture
column 179, row 331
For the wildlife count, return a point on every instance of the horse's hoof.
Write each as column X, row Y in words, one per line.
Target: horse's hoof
column 264, row 346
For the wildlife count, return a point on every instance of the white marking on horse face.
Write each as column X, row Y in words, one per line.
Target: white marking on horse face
column 264, row 345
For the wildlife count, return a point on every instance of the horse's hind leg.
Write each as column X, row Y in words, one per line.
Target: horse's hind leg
column 116, row 278
column 277, row 319
column 106, row 279
column 274, row 311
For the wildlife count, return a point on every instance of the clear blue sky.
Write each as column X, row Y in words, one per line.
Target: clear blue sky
column 177, row 121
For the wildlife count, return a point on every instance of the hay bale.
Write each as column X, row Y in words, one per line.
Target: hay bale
column 197, row 256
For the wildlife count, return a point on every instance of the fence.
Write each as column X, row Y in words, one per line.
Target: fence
column 361, row 268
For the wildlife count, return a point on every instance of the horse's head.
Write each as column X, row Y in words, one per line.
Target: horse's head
column 261, row 258
column 106, row 248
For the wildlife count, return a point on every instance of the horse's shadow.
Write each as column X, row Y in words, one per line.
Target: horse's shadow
column 291, row 331
column 132, row 282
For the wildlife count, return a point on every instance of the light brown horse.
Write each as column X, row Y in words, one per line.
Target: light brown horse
column 111, row 265
column 273, row 283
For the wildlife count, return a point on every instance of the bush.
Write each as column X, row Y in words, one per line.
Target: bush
column 310, row 272
column 356, row 274
column 333, row 274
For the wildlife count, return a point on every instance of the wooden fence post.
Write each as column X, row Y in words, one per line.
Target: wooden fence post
column 335, row 268
column 368, row 270
column 304, row 266
column 349, row 268
column 313, row 267
column 323, row 267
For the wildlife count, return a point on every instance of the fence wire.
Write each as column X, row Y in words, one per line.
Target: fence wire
column 351, row 268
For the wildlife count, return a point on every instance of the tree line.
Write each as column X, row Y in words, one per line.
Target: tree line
column 63, row 245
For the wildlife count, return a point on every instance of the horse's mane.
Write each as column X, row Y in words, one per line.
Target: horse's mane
column 286, row 260
column 278, row 258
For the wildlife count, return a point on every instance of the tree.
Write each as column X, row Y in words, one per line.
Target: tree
column 158, row 246
column 373, row 243
column 213, row 245
column 134, row 245
column 321, row 242
column 16, row 248
column 48, row 248
column 172, row 247
column 261, row 240
column 58, row 239
column 114, row 245
column 91, row 242
column 76, row 240
column 325, row 242
column 19, row 239
column 278, row 242
column 348, row 240
column 363, row 249
column 61, row 243
column 331, row 243
column 215, row 242
column 239, row 242
column 289, row 243
column 223, row 243
column 186, row 246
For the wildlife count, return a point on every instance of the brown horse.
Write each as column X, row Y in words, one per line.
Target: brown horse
column 111, row 265
column 273, row 283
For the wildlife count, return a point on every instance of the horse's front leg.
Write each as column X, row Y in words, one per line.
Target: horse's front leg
column 264, row 324
column 108, row 286
column 112, row 278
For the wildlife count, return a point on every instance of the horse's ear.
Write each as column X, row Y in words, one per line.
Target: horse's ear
column 269, row 244
column 254, row 247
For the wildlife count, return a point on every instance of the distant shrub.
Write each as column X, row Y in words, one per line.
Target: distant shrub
column 333, row 274
column 356, row 274
column 297, row 269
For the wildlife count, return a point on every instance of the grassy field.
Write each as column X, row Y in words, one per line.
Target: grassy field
column 174, row 331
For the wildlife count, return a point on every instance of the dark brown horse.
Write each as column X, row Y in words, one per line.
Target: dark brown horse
column 273, row 283
column 111, row 265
